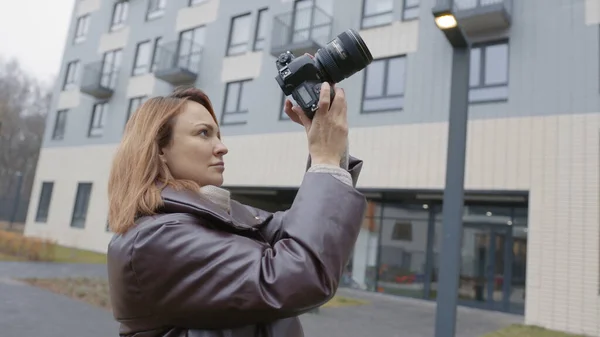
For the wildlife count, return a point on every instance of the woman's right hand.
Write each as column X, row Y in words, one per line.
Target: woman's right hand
column 328, row 130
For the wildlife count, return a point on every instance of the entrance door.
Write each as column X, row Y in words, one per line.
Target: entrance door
column 486, row 266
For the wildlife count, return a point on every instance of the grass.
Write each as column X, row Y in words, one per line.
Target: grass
column 6, row 257
column 340, row 301
column 15, row 246
column 74, row 255
column 528, row 331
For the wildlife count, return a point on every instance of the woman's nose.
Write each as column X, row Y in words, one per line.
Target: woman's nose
column 221, row 149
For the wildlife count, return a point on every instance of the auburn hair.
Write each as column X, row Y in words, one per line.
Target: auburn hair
column 138, row 175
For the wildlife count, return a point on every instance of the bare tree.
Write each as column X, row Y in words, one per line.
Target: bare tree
column 24, row 104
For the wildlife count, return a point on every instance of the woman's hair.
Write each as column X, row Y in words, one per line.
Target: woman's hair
column 138, row 174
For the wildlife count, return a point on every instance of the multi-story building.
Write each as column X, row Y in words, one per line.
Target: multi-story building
column 531, row 232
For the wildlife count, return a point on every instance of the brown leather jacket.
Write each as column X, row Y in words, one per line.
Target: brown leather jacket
column 196, row 270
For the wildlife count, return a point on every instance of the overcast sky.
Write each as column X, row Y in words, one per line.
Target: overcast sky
column 34, row 32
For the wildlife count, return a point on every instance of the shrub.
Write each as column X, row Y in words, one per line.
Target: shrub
column 30, row 248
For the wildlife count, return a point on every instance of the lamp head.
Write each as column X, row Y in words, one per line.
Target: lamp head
column 445, row 21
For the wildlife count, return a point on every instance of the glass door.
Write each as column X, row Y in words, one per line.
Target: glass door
column 486, row 263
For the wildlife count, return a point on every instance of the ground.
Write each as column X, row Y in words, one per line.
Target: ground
column 26, row 310
column 71, row 299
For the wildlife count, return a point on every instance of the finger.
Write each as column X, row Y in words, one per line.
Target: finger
column 340, row 97
column 339, row 103
column 325, row 98
column 291, row 114
column 304, row 120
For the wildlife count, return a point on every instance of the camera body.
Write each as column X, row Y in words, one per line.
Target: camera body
column 302, row 76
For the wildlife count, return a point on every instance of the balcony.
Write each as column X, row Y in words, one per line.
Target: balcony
column 99, row 79
column 178, row 62
column 304, row 30
column 479, row 16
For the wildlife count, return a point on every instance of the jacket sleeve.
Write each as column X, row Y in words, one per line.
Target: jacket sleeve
column 272, row 230
column 200, row 278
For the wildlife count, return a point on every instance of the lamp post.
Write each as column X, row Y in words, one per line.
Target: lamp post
column 450, row 257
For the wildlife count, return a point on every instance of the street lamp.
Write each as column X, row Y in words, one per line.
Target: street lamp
column 450, row 256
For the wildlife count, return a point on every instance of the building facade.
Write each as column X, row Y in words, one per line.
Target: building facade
column 531, row 234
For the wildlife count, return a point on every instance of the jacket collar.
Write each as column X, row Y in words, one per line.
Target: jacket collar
column 186, row 201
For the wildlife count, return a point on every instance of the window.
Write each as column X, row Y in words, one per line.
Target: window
column 261, row 30
column 384, row 85
column 488, row 78
column 156, row 8
column 239, row 34
column 44, row 202
column 72, row 75
column 134, row 104
column 82, row 201
column 411, row 10
column 235, row 109
column 59, row 125
column 402, row 231
column 156, row 54
column 311, row 20
column 110, row 67
column 83, row 24
column 191, row 43
column 119, row 17
column 141, row 65
column 377, row 13
column 197, row 2
column 98, row 120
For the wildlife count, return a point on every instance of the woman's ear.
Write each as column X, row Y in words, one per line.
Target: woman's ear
column 162, row 155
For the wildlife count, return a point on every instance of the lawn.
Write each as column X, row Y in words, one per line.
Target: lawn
column 528, row 331
column 16, row 247
column 73, row 255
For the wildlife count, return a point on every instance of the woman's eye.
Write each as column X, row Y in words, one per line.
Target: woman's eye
column 203, row 133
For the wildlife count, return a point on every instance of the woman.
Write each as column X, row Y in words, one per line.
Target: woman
column 186, row 260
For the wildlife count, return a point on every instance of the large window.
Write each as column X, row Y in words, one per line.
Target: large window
column 377, row 13
column 44, row 202
column 80, row 208
column 98, row 120
column 384, row 85
column 236, row 103
column 119, row 17
column 156, row 9
column 60, row 124
column 134, row 104
column 83, row 25
column 191, row 43
column 142, row 58
column 111, row 64
column 197, row 2
column 239, row 35
column 410, row 10
column 488, row 78
column 261, row 30
column 72, row 75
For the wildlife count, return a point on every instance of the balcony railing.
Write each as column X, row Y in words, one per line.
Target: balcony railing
column 178, row 62
column 301, row 31
column 476, row 16
column 99, row 79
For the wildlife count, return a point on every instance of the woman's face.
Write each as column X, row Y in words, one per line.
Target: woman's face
column 195, row 152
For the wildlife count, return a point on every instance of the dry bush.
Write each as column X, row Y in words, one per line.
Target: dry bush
column 34, row 249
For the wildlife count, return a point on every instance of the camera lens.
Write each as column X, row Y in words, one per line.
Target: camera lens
column 343, row 56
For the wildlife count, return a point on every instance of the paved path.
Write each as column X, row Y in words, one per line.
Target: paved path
column 29, row 311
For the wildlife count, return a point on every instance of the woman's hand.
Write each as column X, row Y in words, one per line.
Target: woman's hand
column 328, row 131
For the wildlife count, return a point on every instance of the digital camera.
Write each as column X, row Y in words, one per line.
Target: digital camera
column 301, row 76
